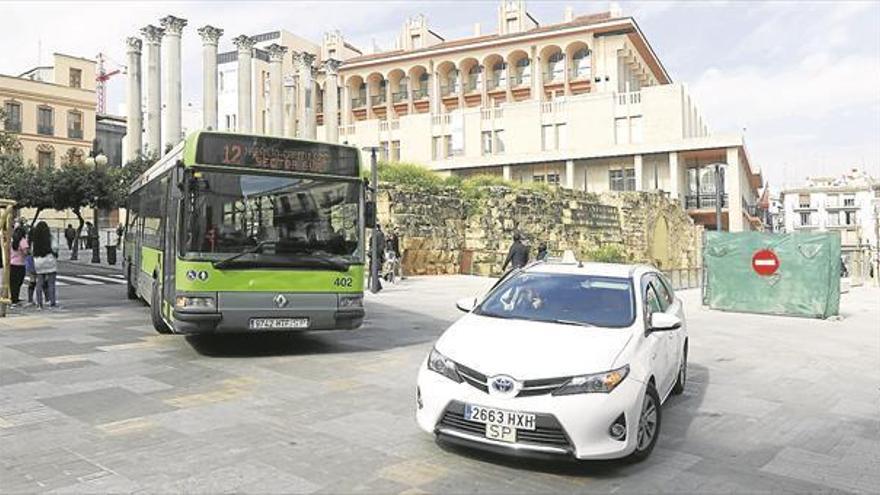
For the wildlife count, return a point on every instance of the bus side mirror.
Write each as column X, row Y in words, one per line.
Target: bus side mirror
column 370, row 214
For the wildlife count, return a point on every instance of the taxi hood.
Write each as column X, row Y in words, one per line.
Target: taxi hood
column 528, row 350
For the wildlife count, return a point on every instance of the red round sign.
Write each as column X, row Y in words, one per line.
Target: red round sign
column 765, row 262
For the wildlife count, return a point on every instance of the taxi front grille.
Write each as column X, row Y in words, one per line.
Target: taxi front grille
column 530, row 387
column 548, row 432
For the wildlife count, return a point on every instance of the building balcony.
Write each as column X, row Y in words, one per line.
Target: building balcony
column 46, row 130
column 420, row 94
column 75, row 133
column 812, row 225
column 12, row 126
column 519, row 80
column 448, row 90
column 701, row 201
column 399, row 96
column 471, row 84
column 805, row 207
column 580, row 73
column 838, row 206
column 496, row 83
column 358, row 102
column 553, row 77
column 377, row 100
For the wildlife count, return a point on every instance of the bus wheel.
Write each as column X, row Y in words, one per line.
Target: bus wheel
column 132, row 292
column 156, row 311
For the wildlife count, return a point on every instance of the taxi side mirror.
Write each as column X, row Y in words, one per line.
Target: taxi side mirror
column 663, row 321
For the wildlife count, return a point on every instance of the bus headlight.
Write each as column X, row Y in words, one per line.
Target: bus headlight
column 346, row 302
column 192, row 302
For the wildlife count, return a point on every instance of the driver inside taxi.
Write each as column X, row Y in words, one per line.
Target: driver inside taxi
column 522, row 298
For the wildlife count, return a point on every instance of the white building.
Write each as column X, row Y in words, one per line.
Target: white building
column 848, row 204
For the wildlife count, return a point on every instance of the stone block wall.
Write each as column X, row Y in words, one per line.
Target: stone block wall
column 443, row 233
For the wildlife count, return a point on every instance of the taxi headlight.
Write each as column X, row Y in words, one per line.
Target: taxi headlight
column 595, row 383
column 439, row 363
column 194, row 302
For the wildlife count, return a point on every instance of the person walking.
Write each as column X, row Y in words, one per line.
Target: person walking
column 17, row 258
column 542, row 252
column 87, row 242
column 69, row 236
column 45, row 264
column 518, row 255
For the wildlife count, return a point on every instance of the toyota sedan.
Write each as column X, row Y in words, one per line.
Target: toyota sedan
column 559, row 360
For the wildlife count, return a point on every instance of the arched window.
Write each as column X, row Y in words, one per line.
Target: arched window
column 556, row 67
column 499, row 75
column 523, row 74
column 423, row 80
column 581, row 63
column 473, row 77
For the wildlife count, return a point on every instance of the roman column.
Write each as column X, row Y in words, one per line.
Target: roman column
column 245, row 45
column 134, row 122
column 276, row 105
column 172, row 124
column 331, row 85
column 210, row 37
column 290, row 105
column 305, row 105
column 153, row 36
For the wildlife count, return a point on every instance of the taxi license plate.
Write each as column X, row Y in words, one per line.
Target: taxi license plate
column 278, row 323
column 500, row 424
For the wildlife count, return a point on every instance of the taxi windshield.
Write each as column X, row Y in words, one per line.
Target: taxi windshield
column 572, row 299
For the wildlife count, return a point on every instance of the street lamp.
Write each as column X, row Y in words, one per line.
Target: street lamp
column 374, row 238
column 96, row 159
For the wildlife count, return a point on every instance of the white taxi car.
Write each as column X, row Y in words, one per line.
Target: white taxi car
column 559, row 359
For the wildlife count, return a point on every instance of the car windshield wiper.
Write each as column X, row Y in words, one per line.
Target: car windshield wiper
column 225, row 261
column 569, row 322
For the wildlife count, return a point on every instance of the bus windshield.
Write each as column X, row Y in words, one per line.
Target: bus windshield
column 243, row 220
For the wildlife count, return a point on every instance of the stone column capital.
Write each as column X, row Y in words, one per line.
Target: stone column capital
column 173, row 25
column 304, row 59
column 244, row 43
column 276, row 52
column 331, row 67
column 210, row 35
column 133, row 45
column 152, row 34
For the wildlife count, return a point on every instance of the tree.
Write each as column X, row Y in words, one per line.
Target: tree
column 76, row 186
column 120, row 179
column 9, row 144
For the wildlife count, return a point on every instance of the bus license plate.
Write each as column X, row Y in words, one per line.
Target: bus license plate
column 278, row 323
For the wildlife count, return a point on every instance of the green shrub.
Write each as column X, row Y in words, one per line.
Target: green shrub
column 609, row 253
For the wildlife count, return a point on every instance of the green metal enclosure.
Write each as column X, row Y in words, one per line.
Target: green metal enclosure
column 782, row 274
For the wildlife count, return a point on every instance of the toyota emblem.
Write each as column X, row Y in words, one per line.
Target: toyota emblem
column 280, row 300
column 503, row 385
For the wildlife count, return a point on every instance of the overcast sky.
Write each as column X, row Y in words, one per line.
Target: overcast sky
column 802, row 78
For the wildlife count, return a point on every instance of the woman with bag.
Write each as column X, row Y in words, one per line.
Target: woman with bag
column 45, row 264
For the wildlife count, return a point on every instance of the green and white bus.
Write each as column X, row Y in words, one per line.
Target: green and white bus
column 242, row 233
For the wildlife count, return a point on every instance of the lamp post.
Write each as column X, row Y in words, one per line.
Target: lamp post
column 374, row 239
column 96, row 159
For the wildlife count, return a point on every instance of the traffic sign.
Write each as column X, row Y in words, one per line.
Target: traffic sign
column 765, row 262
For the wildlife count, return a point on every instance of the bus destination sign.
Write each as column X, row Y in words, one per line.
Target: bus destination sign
column 283, row 155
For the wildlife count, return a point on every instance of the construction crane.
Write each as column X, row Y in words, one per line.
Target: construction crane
column 101, row 81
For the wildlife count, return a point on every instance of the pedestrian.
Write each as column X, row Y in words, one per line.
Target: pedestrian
column 119, row 231
column 69, row 236
column 379, row 244
column 87, row 242
column 17, row 262
column 393, row 247
column 518, row 255
column 542, row 252
column 45, row 264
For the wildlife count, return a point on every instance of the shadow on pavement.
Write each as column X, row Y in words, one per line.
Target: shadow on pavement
column 678, row 413
column 385, row 327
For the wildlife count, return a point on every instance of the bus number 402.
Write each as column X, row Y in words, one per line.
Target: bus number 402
column 343, row 282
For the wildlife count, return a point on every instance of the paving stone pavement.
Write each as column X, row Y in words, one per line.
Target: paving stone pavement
column 92, row 400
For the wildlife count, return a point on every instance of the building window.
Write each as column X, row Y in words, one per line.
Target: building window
column 45, row 159
column 45, row 121
column 395, row 151
column 834, row 219
column 74, row 125
column 12, row 116
column 538, row 178
column 581, row 66
column 486, row 139
column 803, row 200
column 805, row 218
column 849, row 218
column 561, row 141
column 383, row 151
column 331, row 53
column 416, row 40
column 448, row 148
column 499, row 141
column 547, row 138
column 622, row 180
column 522, row 72
column 849, row 201
column 436, row 147
column 499, row 75
column 555, row 67
column 76, row 78
column 553, row 179
column 220, row 82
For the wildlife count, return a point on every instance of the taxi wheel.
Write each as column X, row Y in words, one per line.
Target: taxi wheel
column 678, row 388
column 156, row 311
column 648, row 428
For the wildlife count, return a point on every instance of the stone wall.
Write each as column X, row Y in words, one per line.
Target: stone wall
column 443, row 233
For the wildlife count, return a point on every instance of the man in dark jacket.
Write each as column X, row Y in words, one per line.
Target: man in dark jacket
column 69, row 236
column 518, row 255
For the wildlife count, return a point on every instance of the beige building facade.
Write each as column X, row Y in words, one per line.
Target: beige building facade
column 52, row 110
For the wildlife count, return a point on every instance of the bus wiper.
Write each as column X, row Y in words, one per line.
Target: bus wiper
column 224, row 262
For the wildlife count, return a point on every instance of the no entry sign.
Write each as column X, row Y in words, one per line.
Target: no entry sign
column 765, row 262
